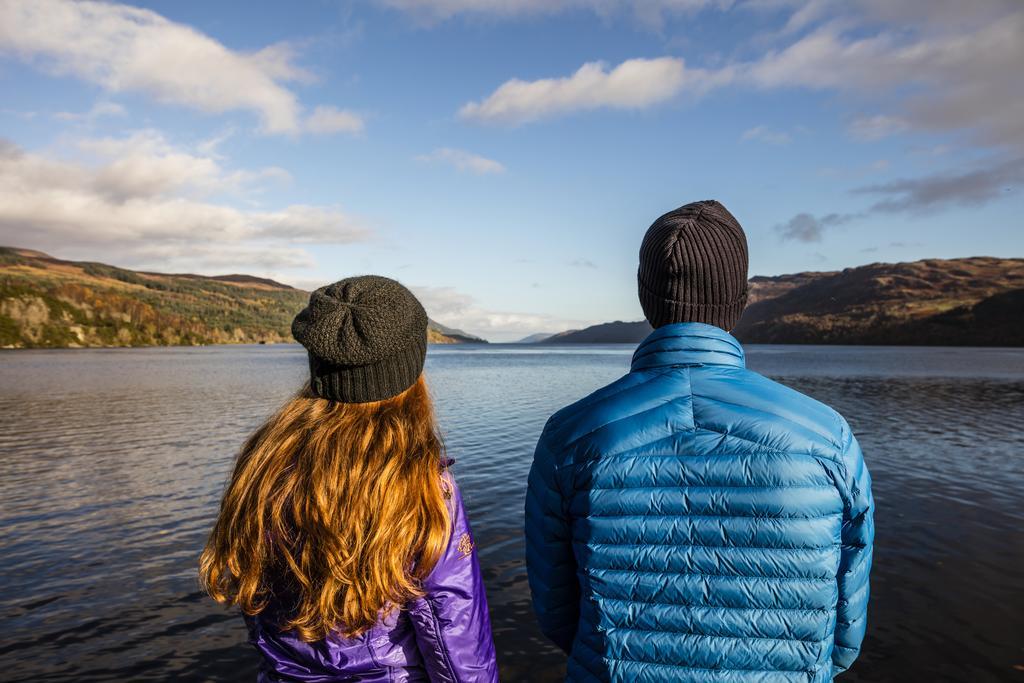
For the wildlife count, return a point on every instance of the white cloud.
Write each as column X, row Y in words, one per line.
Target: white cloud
column 97, row 111
column 763, row 133
column 649, row 12
column 947, row 69
column 871, row 128
column 311, row 224
column 326, row 119
column 451, row 307
column 936, row 65
column 142, row 203
column 463, row 161
column 633, row 84
column 128, row 49
column 144, row 163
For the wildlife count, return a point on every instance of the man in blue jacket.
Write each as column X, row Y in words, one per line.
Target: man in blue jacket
column 694, row 521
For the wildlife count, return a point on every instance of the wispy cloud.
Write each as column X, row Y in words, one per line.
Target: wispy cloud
column 949, row 68
column 805, row 227
column 854, row 171
column 972, row 187
column 97, row 111
column 953, row 67
column 128, row 49
column 152, row 205
column 145, row 164
column 457, row 309
column 583, row 263
column 633, row 84
column 463, row 161
column 326, row 120
column 649, row 12
column 871, row 128
column 765, row 134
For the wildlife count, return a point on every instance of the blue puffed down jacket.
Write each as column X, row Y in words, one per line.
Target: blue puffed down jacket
column 695, row 521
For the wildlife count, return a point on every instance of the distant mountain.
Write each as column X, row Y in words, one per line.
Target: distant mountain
column 46, row 302
column 975, row 301
column 534, row 338
column 958, row 302
column 456, row 335
column 617, row 332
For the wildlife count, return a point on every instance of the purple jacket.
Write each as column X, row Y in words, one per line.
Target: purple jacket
column 444, row 636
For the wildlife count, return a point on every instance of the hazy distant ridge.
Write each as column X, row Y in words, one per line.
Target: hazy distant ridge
column 617, row 332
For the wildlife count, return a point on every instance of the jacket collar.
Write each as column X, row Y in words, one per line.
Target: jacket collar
column 688, row 344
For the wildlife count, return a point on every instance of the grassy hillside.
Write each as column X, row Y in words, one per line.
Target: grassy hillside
column 968, row 301
column 957, row 302
column 49, row 303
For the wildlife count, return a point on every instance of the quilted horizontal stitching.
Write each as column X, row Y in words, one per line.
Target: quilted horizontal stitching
column 770, row 487
column 698, row 668
column 590, row 406
column 770, row 449
column 768, row 412
column 665, row 573
column 712, row 635
column 669, row 573
column 700, row 545
column 626, row 455
column 660, row 406
column 747, row 608
column 673, row 516
column 624, row 452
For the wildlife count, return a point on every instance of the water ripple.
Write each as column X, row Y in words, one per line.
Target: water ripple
column 111, row 482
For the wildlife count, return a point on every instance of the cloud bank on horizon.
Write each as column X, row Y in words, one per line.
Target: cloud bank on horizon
column 416, row 138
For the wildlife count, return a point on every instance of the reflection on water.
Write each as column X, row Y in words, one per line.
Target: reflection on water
column 113, row 462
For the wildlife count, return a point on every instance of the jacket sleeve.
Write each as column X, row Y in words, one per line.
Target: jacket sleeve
column 858, row 533
column 550, row 561
column 452, row 623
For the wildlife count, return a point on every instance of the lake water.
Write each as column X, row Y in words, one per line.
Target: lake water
column 112, row 463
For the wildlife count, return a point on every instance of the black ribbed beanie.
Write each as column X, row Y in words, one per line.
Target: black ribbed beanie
column 366, row 337
column 693, row 267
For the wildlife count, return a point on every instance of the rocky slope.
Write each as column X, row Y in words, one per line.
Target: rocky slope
column 50, row 303
column 969, row 301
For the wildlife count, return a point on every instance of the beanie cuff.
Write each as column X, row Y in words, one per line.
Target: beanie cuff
column 661, row 311
column 378, row 381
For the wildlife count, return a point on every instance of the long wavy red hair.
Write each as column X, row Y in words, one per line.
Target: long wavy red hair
column 338, row 505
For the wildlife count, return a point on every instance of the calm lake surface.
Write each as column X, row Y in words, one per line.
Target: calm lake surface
column 112, row 463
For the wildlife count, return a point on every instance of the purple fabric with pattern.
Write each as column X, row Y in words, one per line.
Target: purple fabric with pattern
column 444, row 636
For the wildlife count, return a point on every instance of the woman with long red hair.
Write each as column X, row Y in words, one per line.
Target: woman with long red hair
column 341, row 535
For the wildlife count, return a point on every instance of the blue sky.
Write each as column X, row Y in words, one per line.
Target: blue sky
column 504, row 159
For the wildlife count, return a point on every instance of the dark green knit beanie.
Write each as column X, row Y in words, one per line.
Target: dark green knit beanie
column 366, row 337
